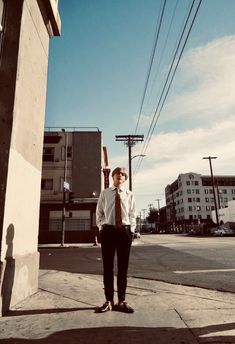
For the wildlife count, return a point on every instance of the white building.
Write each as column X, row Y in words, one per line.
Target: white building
column 191, row 196
column 226, row 214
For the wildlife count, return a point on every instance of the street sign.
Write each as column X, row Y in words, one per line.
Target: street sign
column 66, row 186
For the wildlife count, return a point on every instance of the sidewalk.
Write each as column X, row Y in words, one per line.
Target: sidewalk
column 63, row 311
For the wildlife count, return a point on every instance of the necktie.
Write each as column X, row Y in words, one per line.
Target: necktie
column 118, row 212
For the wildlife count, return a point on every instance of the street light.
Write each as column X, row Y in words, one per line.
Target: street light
column 213, row 186
column 130, row 168
column 64, row 187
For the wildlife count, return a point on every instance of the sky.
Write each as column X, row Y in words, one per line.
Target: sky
column 98, row 72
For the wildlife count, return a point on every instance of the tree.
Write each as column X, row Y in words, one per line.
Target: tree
column 153, row 216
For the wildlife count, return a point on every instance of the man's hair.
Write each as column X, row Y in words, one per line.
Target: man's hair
column 118, row 170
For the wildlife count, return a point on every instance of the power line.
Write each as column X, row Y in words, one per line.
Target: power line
column 163, row 50
column 150, row 64
column 155, row 119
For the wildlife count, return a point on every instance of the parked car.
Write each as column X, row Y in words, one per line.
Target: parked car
column 136, row 235
column 222, row 231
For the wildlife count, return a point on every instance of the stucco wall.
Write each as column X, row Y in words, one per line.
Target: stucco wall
column 23, row 80
column 24, row 170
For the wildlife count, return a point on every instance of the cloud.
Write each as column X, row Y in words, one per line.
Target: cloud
column 198, row 120
column 204, row 86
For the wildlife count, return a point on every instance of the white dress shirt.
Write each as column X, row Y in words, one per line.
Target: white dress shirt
column 105, row 210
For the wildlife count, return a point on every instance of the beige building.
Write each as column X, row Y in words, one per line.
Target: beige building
column 26, row 27
column 191, row 197
column 85, row 173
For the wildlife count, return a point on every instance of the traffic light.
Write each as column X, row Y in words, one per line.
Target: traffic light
column 71, row 197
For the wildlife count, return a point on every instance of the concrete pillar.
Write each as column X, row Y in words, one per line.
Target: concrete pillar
column 27, row 28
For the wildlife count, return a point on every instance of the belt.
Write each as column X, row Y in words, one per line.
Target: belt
column 114, row 227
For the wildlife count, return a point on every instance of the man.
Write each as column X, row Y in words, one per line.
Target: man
column 116, row 219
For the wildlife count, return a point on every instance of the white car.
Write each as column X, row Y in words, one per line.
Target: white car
column 223, row 231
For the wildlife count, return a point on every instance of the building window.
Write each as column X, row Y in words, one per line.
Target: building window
column 198, row 200
column 207, row 199
column 190, row 208
column 80, row 221
column 188, row 191
column 208, row 207
column 224, row 191
column 233, row 191
column 187, row 182
column 48, row 154
column 206, row 191
column 47, row 184
column 197, row 191
column 196, row 182
column 212, row 200
column 69, row 152
column 225, row 199
column 190, row 199
column 211, row 191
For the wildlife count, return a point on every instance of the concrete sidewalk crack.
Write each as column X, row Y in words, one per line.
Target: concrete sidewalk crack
column 67, row 297
column 190, row 330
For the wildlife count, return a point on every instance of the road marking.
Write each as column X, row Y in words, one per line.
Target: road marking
column 201, row 271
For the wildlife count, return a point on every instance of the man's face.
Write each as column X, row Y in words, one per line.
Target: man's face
column 119, row 178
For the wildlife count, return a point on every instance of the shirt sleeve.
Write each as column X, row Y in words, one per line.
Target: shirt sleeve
column 100, row 217
column 132, row 214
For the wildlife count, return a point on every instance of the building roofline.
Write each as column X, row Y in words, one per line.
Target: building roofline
column 71, row 129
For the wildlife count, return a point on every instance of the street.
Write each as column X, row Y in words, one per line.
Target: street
column 207, row 262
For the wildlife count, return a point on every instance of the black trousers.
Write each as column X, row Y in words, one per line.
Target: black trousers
column 115, row 240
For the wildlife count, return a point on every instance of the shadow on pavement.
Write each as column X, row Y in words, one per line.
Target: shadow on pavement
column 47, row 311
column 133, row 335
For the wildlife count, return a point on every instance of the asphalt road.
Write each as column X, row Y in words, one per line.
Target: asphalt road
column 207, row 262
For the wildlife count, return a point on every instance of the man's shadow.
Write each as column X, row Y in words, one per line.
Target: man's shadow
column 9, row 272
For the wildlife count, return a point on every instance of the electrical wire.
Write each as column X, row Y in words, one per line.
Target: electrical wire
column 155, row 119
column 158, row 28
column 163, row 51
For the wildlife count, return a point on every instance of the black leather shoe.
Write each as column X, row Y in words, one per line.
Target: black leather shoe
column 124, row 307
column 107, row 306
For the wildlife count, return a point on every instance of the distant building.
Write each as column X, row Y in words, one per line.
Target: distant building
column 226, row 215
column 190, row 196
column 86, row 175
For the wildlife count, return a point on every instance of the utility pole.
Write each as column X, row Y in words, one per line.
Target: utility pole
column 64, row 187
column 130, row 141
column 158, row 202
column 213, row 186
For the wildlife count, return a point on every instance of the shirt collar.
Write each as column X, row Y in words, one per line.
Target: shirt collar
column 121, row 188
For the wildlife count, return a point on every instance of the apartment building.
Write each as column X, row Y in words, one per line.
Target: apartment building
column 85, row 172
column 191, row 196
